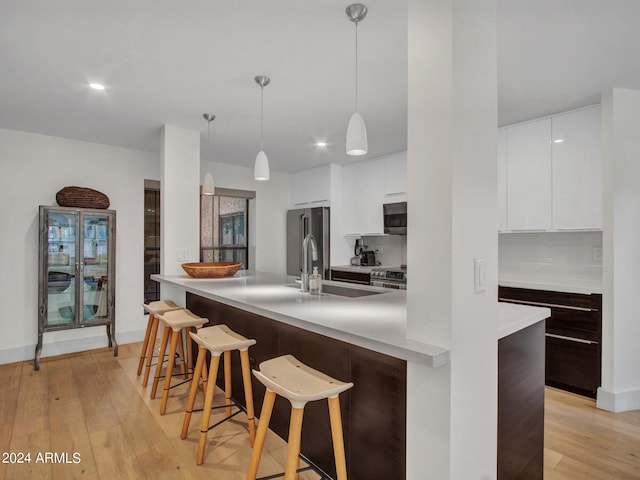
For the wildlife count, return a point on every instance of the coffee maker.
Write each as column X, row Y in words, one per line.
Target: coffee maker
column 362, row 254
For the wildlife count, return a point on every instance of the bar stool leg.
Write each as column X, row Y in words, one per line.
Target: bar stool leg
column 263, row 426
column 151, row 346
column 183, row 369
column 338, row 440
column 208, row 403
column 167, row 376
column 163, row 349
column 145, row 344
column 227, row 382
column 293, row 444
column 195, row 381
column 248, row 394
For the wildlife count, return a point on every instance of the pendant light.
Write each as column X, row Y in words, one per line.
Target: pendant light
column 208, row 187
column 356, row 130
column 261, row 168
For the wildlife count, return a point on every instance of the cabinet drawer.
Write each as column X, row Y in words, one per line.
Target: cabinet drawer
column 351, row 277
column 572, row 365
column 572, row 323
column 546, row 298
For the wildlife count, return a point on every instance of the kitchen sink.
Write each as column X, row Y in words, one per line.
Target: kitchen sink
column 342, row 291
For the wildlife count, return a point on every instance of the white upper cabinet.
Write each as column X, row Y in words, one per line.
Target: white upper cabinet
column 577, row 170
column 363, row 196
column 502, row 179
column 529, row 176
column 312, row 187
column 395, row 177
column 550, row 173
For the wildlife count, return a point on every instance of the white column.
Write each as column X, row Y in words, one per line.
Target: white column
column 452, row 175
column 179, row 203
column 620, row 389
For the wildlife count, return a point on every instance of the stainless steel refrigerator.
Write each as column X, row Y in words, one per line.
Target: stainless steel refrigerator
column 300, row 222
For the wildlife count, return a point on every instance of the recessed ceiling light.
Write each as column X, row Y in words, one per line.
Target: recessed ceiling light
column 321, row 144
column 96, row 86
column 558, row 140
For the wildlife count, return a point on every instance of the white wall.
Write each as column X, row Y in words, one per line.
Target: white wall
column 32, row 169
column 552, row 255
column 621, row 251
column 179, row 205
column 452, row 175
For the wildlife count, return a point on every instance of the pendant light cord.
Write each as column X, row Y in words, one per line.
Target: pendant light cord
column 261, row 116
column 356, row 66
column 209, row 136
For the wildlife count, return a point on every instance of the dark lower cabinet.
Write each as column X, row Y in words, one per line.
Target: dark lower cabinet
column 373, row 411
column 351, row 277
column 521, row 377
column 573, row 365
column 573, row 336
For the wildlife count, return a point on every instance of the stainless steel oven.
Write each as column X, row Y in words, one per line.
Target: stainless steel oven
column 395, row 278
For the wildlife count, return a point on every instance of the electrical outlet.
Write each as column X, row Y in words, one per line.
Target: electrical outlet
column 597, row 254
column 181, row 255
column 379, row 249
column 479, row 273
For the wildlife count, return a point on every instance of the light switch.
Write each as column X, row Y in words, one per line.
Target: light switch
column 479, row 273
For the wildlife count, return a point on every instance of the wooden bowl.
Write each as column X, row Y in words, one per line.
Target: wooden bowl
column 211, row 269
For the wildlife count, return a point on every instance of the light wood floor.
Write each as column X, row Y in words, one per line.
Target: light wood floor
column 93, row 404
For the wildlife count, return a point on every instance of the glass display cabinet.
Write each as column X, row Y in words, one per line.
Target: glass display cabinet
column 76, row 280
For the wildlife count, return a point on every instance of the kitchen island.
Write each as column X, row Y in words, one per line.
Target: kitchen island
column 358, row 339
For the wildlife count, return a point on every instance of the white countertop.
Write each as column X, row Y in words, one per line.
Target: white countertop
column 554, row 283
column 375, row 322
column 513, row 318
column 354, row 268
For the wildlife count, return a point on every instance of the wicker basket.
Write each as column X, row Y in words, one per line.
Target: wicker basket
column 82, row 197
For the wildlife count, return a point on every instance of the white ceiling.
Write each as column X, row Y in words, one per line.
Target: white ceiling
column 168, row 62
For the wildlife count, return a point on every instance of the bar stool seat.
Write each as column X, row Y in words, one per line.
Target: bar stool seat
column 219, row 340
column 154, row 308
column 298, row 383
column 174, row 322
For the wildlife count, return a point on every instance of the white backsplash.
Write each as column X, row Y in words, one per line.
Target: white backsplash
column 394, row 249
column 551, row 254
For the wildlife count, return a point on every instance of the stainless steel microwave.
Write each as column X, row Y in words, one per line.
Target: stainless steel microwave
column 395, row 218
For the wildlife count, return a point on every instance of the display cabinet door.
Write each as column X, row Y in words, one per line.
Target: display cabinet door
column 95, row 266
column 60, row 257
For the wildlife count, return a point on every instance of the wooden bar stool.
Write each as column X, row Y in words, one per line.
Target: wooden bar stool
column 219, row 339
column 174, row 322
column 149, row 343
column 299, row 384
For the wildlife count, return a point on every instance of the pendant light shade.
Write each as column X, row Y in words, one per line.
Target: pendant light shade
column 208, row 187
column 261, row 168
column 356, row 135
column 356, row 130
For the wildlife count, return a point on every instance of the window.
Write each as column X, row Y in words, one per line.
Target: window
column 224, row 226
column 151, row 240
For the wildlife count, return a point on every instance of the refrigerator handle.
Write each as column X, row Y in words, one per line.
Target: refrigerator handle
column 304, row 229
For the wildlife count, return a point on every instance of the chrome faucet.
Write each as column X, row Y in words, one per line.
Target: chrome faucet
column 304, row 277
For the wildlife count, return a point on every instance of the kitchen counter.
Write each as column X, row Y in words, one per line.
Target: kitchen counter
column 374, row 322
column 513, row 318
column 355, row 268
column 554, row 283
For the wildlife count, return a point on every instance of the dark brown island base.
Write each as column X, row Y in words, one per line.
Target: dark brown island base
column 521, row 404
column 373, row 411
